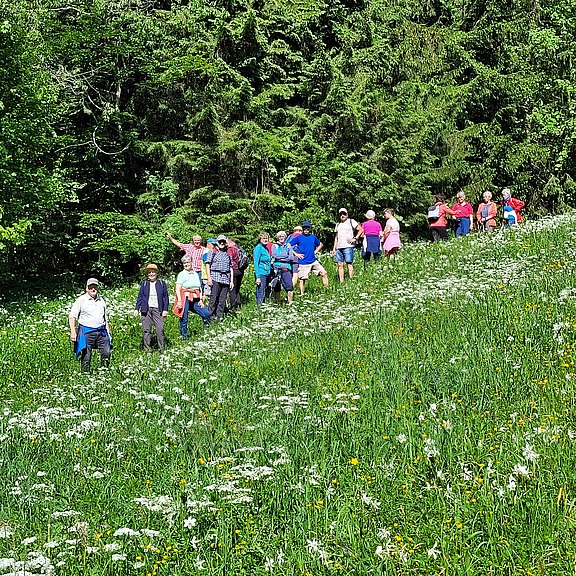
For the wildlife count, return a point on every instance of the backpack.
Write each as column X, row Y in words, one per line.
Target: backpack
column 242, row 260
column 434, row 213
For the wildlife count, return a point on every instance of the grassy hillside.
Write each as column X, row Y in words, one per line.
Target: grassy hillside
column 419, row 420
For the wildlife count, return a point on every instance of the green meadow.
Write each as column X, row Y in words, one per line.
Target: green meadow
column 418, row 420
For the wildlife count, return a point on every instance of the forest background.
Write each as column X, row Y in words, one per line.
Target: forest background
column 122, row 118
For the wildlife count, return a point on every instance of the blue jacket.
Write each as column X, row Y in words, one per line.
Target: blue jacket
column 161, row 292
column 262, row 260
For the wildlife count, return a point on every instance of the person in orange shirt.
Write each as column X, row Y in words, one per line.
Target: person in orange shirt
column 486, row 213
column 437, row 218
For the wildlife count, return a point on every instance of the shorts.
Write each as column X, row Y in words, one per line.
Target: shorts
column 345, row 255
column 305, row 269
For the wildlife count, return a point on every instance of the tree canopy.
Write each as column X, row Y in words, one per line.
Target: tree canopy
column 121, row 118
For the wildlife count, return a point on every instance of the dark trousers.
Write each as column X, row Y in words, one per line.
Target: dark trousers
column 95, row 340
column 153, row 318
column 235, row 292
column 218, row 298
column 439, row 233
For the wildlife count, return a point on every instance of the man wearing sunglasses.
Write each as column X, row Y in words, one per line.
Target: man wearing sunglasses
column 93, row 331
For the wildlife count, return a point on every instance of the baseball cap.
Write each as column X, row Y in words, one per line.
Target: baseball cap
column 151, row 267
column 211, row 241
column 221, row 237
column 342, row 211
column 306, row 224
column 92, row 282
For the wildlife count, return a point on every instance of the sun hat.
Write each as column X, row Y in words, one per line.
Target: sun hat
column 370, row 214
column 306, row 224
column 151, row 267
column 92, row 282
column 297, row 228
column 220, row 238
column 342, row 211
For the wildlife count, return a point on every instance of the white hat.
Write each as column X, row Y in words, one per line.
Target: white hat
column 342, row 210
column 92, row 282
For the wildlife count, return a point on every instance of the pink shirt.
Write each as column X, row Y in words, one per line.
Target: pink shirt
column 463, row 210
column 372, row 228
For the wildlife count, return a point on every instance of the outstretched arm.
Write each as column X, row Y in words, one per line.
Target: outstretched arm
column 173, row 240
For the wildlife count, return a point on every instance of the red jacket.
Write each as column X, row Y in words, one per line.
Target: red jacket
column 442, row 222
column 516, row 205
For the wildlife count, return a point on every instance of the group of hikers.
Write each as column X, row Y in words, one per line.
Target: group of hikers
column 211, row 277
column 463, row 214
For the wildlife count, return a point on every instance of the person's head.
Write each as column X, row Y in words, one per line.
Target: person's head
column 343, row 214
column 506, row 193
column 440, row 198
column 211, row 243
column 297, row 230
column 388, row 213
column 222, row 242
column 487, row 196
column 461, row 196
column 306, row 227
column 264, row 238
column 197, row 239
column 231, row 242
column 151, row 272
column 186, row 262
column 92, row 287
column 370, row 215
column 281, row 236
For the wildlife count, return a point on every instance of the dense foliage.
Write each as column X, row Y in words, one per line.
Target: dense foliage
column 120, row 118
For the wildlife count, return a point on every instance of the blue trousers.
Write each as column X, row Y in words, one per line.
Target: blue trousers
column 201, row 311
column 261, row 289
column 462, row 226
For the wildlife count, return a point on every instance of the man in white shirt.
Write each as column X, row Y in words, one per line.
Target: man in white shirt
column 347, row 233
column 89, row 311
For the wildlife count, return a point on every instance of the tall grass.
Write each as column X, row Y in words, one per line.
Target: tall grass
column 417, row 420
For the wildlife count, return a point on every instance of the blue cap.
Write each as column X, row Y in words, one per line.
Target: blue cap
column 306, row 224
column 211, row 241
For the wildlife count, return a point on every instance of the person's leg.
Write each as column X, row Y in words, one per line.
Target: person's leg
column 261, row 289
column 203, row 312
column 158, row 320
column 184, row 321
column 103, row 344
column 221, row 302
column 302, row 284
column 235, row 301
column 147, row 322
column 341, row 272
column 85, row 358
column 214, row 296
